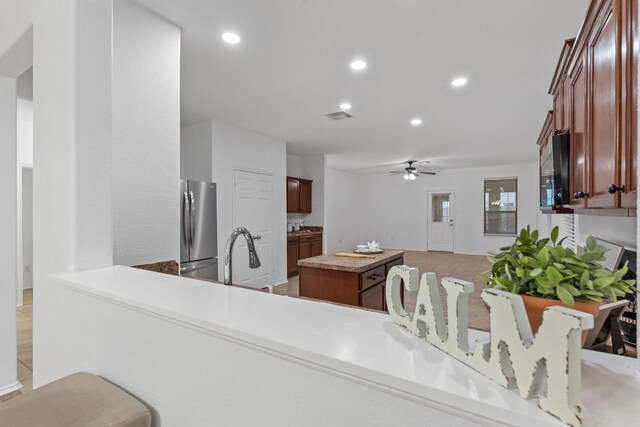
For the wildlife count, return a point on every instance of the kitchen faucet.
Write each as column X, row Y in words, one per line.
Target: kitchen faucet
column 254, row 261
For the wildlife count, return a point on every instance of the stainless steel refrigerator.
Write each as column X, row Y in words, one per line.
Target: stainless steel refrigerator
column 198, row 230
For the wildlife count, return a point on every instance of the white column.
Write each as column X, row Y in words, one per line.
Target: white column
column 146, row 136
column 8, row 195
column 72, row 156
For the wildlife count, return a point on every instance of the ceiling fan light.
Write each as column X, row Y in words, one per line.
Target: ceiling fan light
column 412, row 177
column 406, row 176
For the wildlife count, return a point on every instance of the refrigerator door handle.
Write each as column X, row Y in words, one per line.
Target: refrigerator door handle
column 193, row 223
column 185, row 218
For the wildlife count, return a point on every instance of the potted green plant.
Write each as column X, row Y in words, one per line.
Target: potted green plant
column 545, row 273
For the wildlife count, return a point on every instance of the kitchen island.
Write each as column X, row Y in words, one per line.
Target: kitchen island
column 352, row 281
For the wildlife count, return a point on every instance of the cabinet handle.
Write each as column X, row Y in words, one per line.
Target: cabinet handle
column 375, row 276
column 612, row 189
column 580, row 195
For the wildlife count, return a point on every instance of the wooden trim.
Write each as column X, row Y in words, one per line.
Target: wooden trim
column 561, row 68
column 299, row 179
column 581, row 39
column 556, row 210
column 548, row 121
column 630, row 90
column 606, row 212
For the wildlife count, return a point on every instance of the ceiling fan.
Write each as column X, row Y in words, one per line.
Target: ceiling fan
column 410, row 172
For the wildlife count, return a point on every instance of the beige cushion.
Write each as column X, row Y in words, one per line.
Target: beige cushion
column 81, row 400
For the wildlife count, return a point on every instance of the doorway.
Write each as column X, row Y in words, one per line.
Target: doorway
column 441, row 224
column 253, row 209
column 25, row 230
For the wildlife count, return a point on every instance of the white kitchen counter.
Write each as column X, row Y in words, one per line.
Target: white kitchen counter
column 357, row 346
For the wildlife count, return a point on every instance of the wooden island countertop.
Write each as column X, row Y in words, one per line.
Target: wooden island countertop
column 354, row 265
column 345, row 280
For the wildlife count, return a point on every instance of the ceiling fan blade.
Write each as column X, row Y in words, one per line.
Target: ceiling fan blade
column 396, row 172
column 427, row 173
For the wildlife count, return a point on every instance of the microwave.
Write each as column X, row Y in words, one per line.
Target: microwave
column 554, row 171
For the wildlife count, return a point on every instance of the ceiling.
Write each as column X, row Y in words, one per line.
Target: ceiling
column 292, row 68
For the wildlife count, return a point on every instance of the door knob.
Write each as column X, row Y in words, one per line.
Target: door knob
column 612, row 189
column 580, row 195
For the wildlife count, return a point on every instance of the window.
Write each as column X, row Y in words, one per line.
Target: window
column 501, row 206
column 440, row 207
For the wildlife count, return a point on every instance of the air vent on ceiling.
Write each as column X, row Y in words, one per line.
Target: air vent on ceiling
column 339, row 115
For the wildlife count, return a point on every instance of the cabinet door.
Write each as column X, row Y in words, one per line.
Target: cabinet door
column 578, row 137
column 316, row 248
column 604, row 102
column 305, row 196
column 293, row 195
column 630, row 89
column 292, row 257
column 373, row 298
column 558, row 108
column 304, row 250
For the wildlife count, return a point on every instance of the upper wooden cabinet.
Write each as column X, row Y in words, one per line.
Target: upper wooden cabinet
column 578, row 183
column 298, row 195
column 594, row 94
column 559, row 88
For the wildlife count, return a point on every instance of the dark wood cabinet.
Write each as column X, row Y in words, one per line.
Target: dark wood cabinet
column 292, row 256
column 304, row 250
column 316, row 247
column 373, row 298
column 629, row 90
column 298, row 195
column 305, row 196
column 364, row 289
column 578, row 137
column 603, row 112
column 302, row 247
column 293, row 195
column 594, row 92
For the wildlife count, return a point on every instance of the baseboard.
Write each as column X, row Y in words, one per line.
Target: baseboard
column 10, row 388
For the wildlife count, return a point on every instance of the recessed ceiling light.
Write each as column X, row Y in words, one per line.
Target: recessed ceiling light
column 231, row 38
column 416, row 122
column 460, row 81
column 359, row 64
column 345, row 106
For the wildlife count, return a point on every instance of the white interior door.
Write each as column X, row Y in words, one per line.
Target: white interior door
column 441, row 226
column 253, row 209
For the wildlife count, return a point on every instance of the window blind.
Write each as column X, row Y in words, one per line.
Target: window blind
column 569, row 231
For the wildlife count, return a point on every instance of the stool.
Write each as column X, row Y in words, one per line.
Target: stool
column 78, row 400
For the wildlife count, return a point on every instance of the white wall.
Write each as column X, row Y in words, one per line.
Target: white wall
column 195, row 152
column 313, row 168
column 25, row 132
column 342, row 211
column 294, row 166
column 25, row 84
column 236, row 148
column 8, row 225
column 394, row 211
column 146, row 136
column 27, row 228
column 72, row 221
